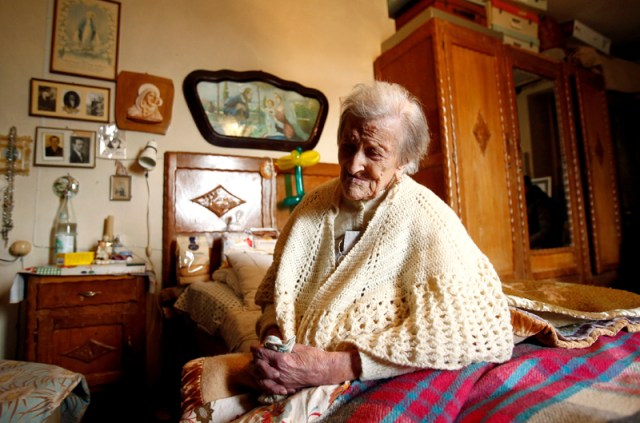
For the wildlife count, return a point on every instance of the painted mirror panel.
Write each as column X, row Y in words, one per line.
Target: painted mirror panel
column 255, row 110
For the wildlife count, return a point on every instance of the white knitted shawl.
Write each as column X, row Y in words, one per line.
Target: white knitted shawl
column 414, row 290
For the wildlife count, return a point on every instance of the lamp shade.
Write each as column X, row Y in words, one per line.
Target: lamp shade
column 148, row 157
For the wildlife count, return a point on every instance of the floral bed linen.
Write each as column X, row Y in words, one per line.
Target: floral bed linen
column 34, row 392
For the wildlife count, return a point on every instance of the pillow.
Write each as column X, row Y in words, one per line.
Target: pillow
column 234, row 242
column 264, row 239
column 228, row 276
column 193, row 255
column 250, row 268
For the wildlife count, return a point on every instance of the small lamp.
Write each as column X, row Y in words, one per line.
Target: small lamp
column 148, row 157
column 147, row 160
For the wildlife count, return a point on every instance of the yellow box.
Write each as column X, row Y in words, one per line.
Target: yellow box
column 80, row 258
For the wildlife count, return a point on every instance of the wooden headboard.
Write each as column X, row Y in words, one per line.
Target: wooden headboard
column 202, row 192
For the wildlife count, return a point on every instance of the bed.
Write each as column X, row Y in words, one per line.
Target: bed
column 577, row 356
column 212, row 197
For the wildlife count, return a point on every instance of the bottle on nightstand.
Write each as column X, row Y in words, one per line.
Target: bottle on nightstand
column 65, row 227
column 64, row 231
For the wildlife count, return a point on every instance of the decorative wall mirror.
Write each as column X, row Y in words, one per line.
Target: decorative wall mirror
column 543, row 163
column 255, row 110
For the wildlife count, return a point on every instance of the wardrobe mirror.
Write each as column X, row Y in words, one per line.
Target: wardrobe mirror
column 543, row 164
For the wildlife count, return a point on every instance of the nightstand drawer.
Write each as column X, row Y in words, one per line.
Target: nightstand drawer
column 54, row 295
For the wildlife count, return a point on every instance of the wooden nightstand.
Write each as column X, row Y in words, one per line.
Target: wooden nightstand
column 94, row 325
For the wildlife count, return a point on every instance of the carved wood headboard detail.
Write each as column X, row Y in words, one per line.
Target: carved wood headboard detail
column 204, row 192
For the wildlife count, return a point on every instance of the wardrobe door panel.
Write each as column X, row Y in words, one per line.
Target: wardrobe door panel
column 594, row 136
column 479, row 155
column 411, row 64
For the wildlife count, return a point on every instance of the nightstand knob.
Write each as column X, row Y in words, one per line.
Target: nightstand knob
column 89, row 294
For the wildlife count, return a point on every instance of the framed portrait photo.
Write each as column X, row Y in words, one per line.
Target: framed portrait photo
column 69, row 101
column 85, row 38
column 120, row 188
column 56, row 147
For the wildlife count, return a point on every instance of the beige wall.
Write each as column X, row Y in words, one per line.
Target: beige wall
column 329, row 45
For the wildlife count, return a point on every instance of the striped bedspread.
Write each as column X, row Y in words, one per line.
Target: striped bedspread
column 539, row 384
column 580, row 363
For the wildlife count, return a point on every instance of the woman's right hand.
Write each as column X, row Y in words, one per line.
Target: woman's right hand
column 285, row 373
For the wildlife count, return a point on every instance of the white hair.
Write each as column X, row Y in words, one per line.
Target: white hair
column 388, row 101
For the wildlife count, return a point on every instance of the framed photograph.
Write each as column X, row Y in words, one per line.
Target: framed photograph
column 58, row 147
column 69, row 101
column 85, row 38
column 143, row 102
column 544, row 183
column 112, row 143
column 120, row 188
column 255, row 110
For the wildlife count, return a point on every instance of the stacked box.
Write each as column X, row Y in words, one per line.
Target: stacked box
column 518, row 26
column 576, row 30
column 535, row 6
column 462, row 8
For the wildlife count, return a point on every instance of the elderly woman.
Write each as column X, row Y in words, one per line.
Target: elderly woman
column 373, row 275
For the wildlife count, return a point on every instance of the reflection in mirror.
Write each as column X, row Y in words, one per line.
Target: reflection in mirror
column 543, row 162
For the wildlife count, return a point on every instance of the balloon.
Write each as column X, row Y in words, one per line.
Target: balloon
column 297, row 160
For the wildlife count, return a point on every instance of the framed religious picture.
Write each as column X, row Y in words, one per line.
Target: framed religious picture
column 69, row 101
column 255, row 109
column 120, row 188
column 64, row 147
column 143, row 102
column 85, row 38
column 21, row 146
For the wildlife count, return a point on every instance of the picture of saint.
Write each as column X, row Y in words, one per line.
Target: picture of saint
column 147, row 105
column 87, row 32
column 238, row 106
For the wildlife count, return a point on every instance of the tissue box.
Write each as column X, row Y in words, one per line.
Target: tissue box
column 578, row 31
column 80, row 258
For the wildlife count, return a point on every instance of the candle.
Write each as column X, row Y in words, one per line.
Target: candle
column 108, row 229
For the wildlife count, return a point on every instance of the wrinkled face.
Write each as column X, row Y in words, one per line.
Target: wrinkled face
column 369, row 157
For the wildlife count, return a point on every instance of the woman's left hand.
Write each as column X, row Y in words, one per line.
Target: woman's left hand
column 285, row 373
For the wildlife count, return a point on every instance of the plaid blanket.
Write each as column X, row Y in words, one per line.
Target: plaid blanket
column 581, row 363
column 593, row 384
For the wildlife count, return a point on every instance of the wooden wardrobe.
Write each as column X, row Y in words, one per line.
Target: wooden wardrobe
column 498, row 113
